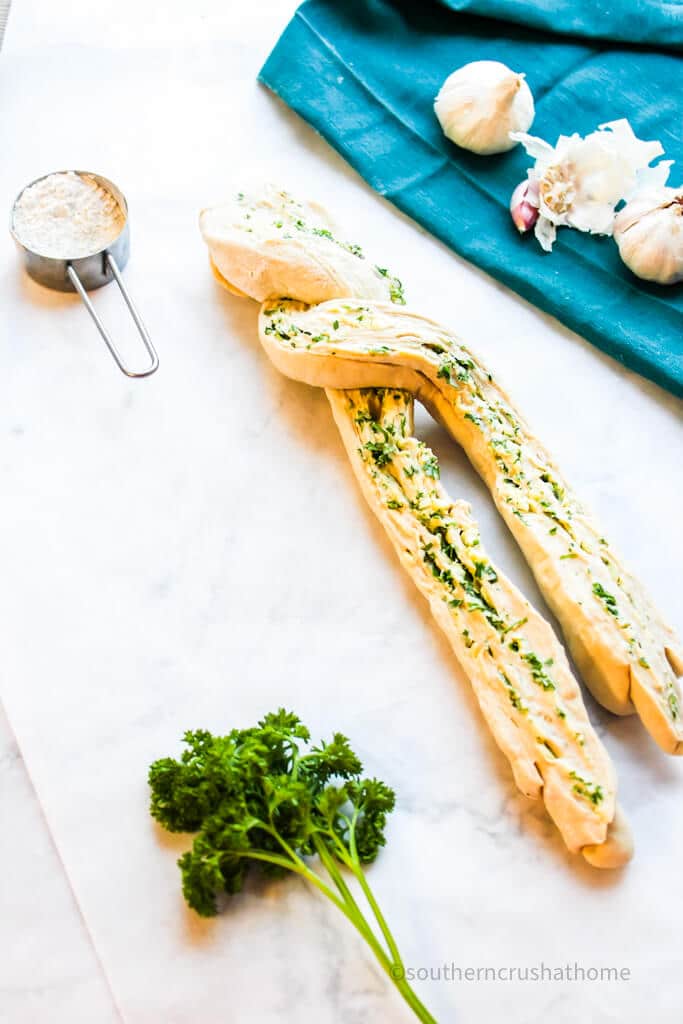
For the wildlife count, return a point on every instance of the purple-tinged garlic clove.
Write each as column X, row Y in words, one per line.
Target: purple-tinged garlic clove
column 524, row 205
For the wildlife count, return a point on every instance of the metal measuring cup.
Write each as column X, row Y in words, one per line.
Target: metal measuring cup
column 86, row 273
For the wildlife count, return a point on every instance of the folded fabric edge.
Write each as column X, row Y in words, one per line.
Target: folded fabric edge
column 641, row 26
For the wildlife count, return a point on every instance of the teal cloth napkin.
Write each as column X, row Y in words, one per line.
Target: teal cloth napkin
column 635, row 21
column 365, row 73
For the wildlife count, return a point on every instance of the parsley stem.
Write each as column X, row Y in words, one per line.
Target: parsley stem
column 416, row 1005
column 335, row 874
column 348, row 906
column 354, row 865
column 358, row 919
column 392, row 967
column 369, row 895
column 295, row 863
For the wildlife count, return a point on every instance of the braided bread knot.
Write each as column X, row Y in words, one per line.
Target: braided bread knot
column 333, row 319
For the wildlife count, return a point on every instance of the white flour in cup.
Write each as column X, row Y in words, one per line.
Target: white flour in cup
column 67, row 216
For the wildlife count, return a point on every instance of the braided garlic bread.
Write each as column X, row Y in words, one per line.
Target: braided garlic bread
column 268, row 244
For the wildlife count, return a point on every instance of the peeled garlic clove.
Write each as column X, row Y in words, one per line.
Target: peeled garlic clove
column 524, row 205
column 481, row 103
column 649, row 233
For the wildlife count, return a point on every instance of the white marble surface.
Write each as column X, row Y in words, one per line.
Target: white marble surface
column 49, row 970
column 4, row 14
column 191, row 550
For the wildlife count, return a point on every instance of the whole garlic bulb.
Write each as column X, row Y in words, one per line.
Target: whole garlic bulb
column 481, row 103
column 649, row 233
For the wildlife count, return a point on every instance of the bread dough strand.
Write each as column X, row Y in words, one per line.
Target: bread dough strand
column 516, row 665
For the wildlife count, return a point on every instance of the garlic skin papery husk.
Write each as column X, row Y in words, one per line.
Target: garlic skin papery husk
column 649, row 234
column 480, row 104
column 581, row 180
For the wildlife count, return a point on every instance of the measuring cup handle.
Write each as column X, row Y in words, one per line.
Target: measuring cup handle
column 106, row 337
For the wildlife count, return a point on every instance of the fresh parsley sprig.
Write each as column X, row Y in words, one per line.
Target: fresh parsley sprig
column 266, row 798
